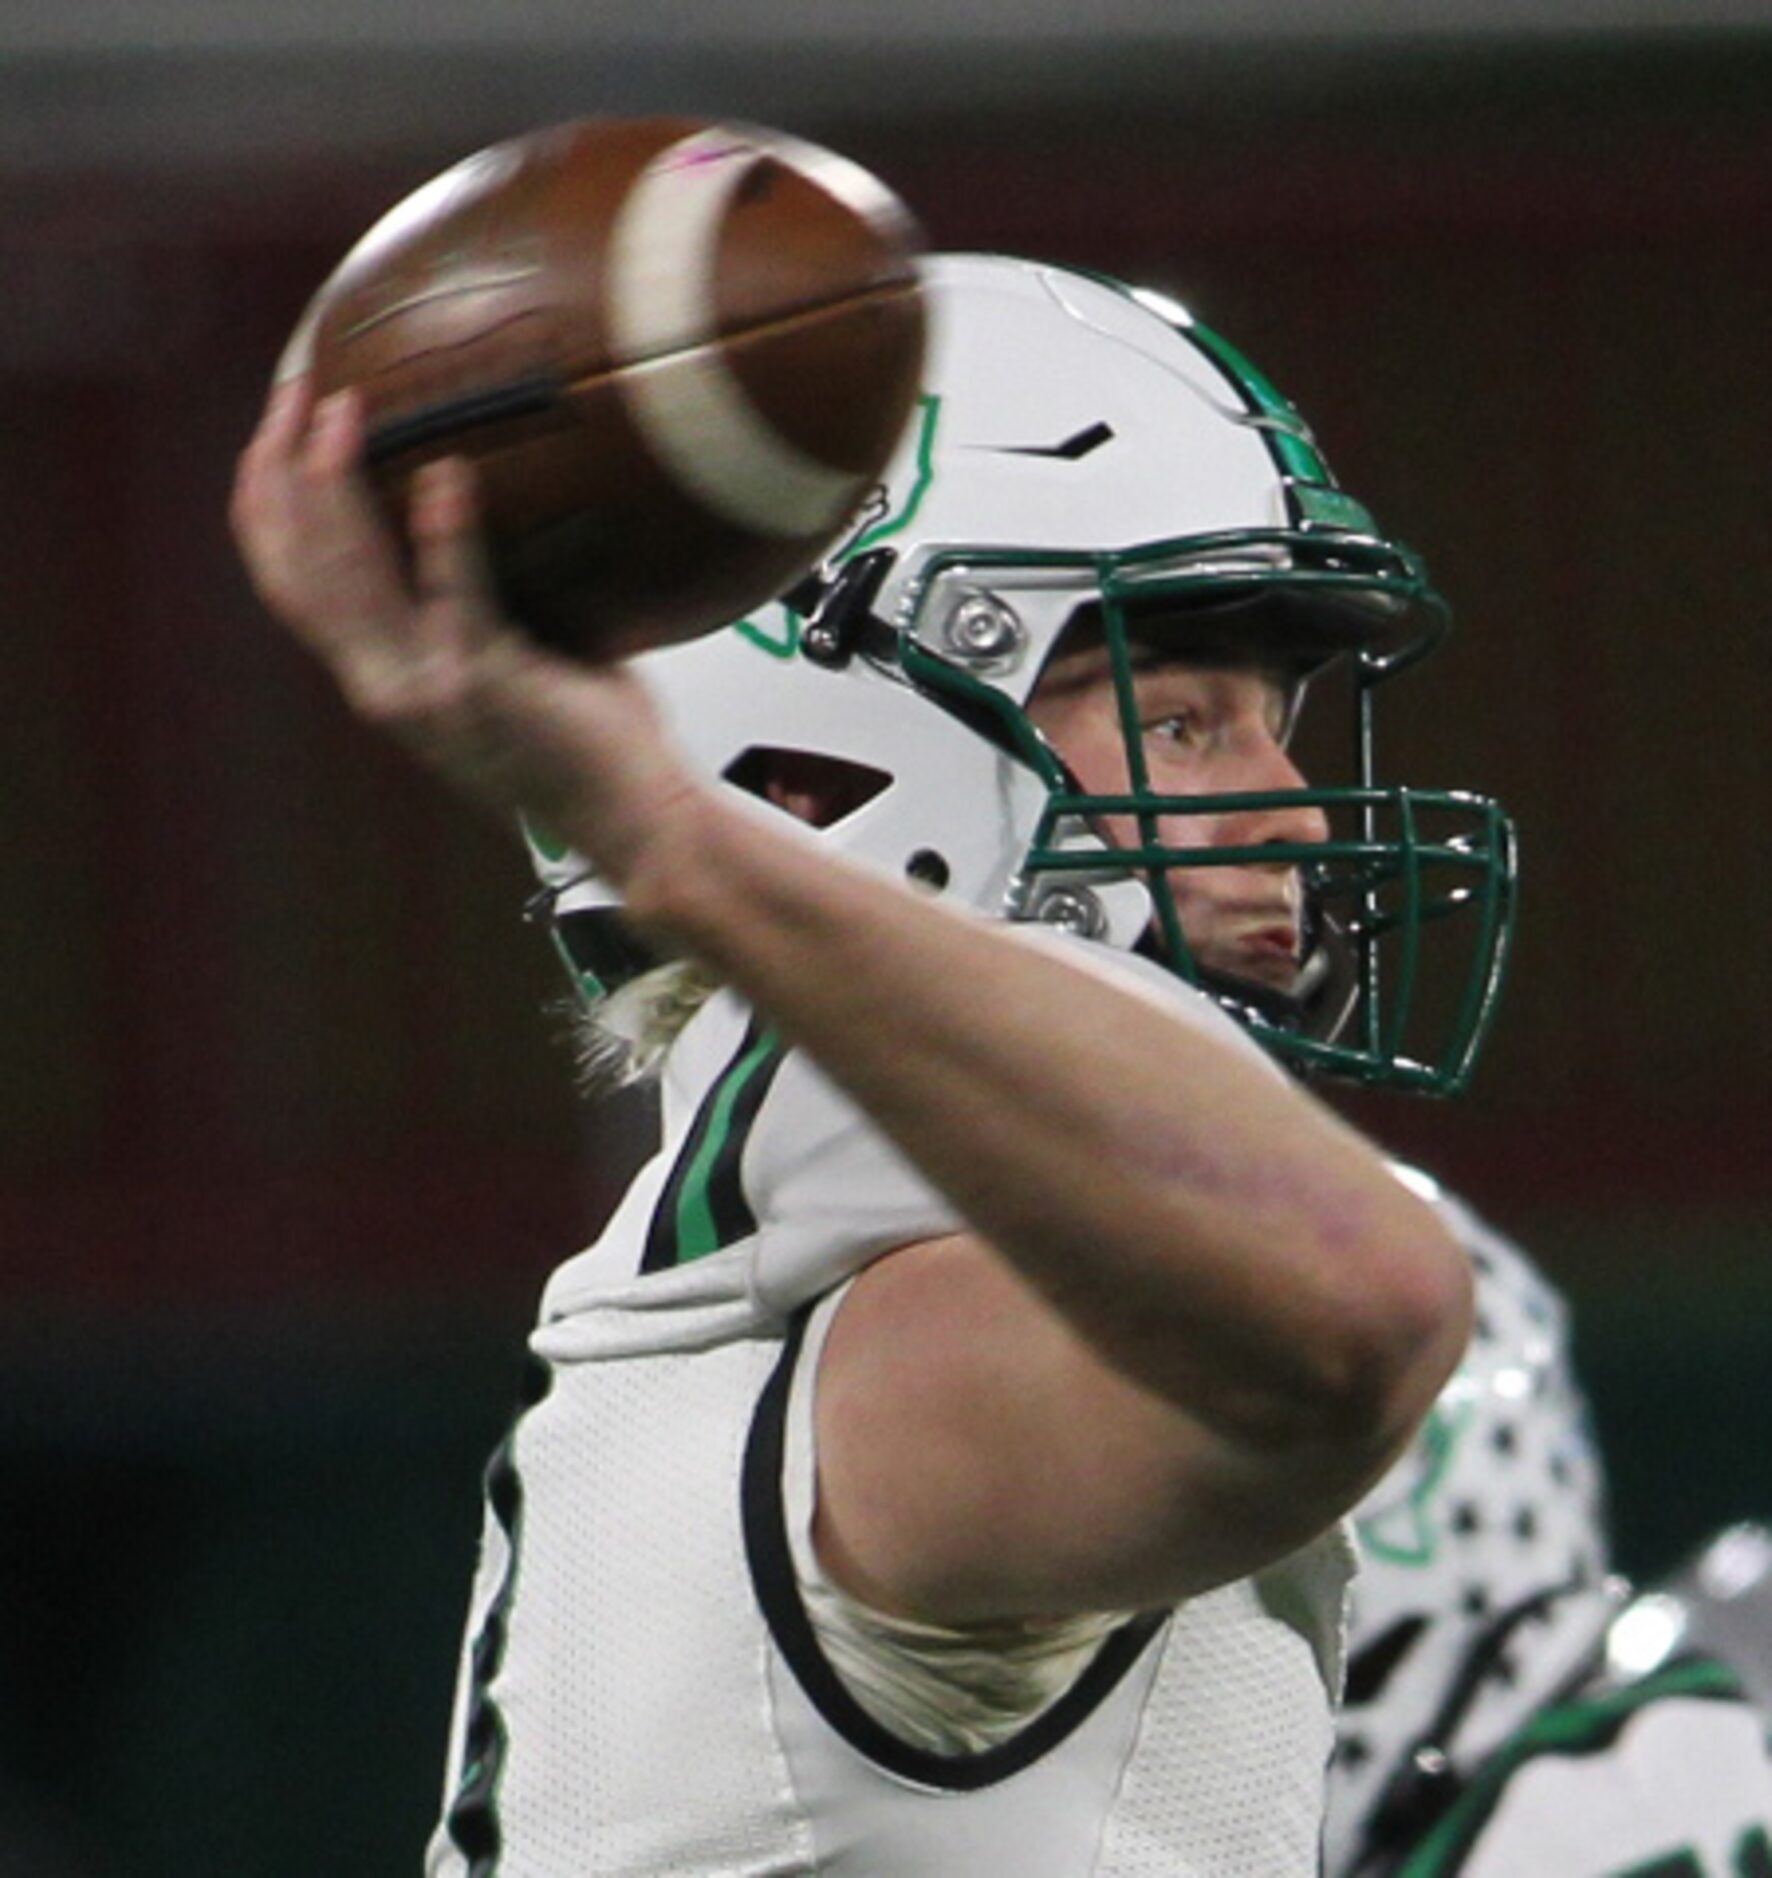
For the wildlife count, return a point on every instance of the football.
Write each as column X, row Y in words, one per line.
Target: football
column 678, row 353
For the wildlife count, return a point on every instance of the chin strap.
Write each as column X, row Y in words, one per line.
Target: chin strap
column 599, row 947
column 1318, row 1007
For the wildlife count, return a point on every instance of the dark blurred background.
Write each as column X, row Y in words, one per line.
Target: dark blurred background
column 289, row 1139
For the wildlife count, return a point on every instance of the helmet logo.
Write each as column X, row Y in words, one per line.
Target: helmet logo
column 1072, row 450
column 783, row 648
column 875, row 521
column 928, row 417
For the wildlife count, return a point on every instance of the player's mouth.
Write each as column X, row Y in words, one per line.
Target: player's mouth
column 1265, row 951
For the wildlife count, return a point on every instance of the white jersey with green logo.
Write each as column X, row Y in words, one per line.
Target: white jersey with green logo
column 642, row 1690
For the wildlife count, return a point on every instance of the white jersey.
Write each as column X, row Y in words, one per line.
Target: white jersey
column 642, row 1689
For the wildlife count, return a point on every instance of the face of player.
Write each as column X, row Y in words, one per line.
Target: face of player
column 1209, row 729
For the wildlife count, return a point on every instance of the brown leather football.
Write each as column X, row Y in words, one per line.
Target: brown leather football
column 679, row 353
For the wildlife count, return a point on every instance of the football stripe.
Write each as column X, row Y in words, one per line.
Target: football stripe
column 688, row 405
column 859, row 190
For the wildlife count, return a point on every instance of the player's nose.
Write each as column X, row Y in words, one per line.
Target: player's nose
column 1291, row 817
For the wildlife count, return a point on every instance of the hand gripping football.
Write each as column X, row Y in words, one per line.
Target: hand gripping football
column 679, row 354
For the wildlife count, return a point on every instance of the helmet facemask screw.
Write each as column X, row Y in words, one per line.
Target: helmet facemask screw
column 984, row 631
column 1073, row 910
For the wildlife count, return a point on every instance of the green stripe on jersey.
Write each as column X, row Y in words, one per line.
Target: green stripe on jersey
column 698, row 1234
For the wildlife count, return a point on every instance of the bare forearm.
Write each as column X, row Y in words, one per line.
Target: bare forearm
column 1216, row 1233
column 1209, row 1229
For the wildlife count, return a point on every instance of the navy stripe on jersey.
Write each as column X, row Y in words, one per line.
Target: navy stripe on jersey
column 778, row 1597
column 703, row 1206
column 472, row 1821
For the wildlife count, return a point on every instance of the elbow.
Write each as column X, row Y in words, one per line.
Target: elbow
column 1348, row 1366
column 1398, row 1333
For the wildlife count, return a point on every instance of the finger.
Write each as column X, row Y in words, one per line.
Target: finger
column 338, row 528
column 451, row 570
column 316, row 544
column 332, row 450
column 267, row 455
column 288, row 408
column 264, row 507
column 341, row 509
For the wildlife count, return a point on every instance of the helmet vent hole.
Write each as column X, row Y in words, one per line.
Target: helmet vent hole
column 812, row 787
column 928, row 869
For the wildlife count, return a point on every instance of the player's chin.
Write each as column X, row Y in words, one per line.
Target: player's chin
column 1265, row 967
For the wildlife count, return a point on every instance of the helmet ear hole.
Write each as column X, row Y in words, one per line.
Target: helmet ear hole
column 814, row 788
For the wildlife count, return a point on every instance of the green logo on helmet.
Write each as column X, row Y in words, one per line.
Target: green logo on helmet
column 783, row 644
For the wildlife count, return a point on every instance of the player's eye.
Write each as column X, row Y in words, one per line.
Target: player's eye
column 1173, row 727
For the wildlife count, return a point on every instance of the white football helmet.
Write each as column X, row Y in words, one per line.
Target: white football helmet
column 1085, row 446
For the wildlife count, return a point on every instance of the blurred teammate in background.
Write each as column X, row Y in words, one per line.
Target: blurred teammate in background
column 940, row 1463
column 1510, row 1712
